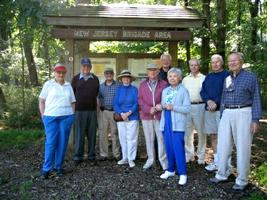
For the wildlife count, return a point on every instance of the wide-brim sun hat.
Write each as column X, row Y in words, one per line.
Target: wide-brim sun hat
column 125, row 73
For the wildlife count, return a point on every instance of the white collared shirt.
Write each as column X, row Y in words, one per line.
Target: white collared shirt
column 58, row 98
column 194, row 84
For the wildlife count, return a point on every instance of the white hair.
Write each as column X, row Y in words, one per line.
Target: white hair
column 217, row 56
column 175, row 71
column 196, row 60
column 166, row 55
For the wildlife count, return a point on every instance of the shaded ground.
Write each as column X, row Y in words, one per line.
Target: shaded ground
column 19, row 171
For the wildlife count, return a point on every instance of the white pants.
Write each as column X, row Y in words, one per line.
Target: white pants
column 108, row 125
column 234, row 128
column 128, row 136
column 151, row 127
column 195, row 120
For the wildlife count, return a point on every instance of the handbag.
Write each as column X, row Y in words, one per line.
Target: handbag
column 117, row 117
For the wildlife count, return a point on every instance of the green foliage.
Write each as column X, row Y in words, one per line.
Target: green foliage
column 18, row 115
column 128, row 47
column 260, row 174
column 24, row 189
column 14, row 138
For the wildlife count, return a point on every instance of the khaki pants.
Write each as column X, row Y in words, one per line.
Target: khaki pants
column 108, row 125
column 151, row 127
column 195, row 120
column 234, row 128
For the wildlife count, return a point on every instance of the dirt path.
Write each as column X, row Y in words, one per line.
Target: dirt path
column 20, row 170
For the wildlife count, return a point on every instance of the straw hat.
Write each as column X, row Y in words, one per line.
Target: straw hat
column 126, row 73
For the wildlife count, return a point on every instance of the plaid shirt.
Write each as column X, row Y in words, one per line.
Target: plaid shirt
column 106, row 94
column 242, row 89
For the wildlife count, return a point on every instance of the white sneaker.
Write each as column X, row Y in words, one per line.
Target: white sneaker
column 131, row 164
column 211, row 167
column 122, row 162
column 167, row 174
column 147, row 165
column 182, row 180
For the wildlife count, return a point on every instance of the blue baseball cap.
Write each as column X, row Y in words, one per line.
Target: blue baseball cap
column 86, row 61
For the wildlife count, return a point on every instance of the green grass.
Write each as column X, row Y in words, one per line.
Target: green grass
column 260, row 174
column 13, row 138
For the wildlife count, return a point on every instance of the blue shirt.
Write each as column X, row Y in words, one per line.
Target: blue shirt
column 106, row 94
column 125, row 100
column 212, row 87
column 243, row 89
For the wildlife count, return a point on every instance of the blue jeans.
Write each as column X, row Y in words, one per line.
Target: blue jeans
column 57, row 131
column 174, row 144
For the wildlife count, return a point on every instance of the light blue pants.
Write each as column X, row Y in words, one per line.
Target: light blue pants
column 174, row 144
column 57, row 131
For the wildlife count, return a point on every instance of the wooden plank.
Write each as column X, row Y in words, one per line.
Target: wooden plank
column 121, row 34
column 173, row 50
column 134, row 11
column 123, row 22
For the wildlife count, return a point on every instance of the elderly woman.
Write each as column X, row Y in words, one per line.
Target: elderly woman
column 126, row 105
column 56, row 105
column 175, row 104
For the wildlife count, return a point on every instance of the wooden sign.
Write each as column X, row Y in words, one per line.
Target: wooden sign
column 121, row 34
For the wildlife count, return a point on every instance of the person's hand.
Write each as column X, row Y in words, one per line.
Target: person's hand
column 124, row 116
column 153, row 110
column 169, row 106
column 211, row 105
column 255, row 127
column 158, row 107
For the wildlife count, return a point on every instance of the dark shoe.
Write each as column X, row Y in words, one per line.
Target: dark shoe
column 59, row 173
column 239, row 188
column 44, row 175
column 216, row 181
column 103, row 158
column 77, row 162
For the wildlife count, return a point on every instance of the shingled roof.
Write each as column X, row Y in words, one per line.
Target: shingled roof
column 146, row 16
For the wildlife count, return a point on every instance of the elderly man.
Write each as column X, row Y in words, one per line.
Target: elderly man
column 165, row 60
column 241, row 111
column 211, row 93
column 85, row 86
column 195, row 120
column 106, row 95
column 149, row 96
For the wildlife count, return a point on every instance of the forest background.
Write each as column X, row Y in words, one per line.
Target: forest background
column 28, row 51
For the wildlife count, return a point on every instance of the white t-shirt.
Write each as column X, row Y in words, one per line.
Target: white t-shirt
column 58, row 98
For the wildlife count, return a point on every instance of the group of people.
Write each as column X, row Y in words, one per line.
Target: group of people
column 224, row 105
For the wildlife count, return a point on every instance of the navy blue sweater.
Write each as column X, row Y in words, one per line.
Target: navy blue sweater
column 212, row 87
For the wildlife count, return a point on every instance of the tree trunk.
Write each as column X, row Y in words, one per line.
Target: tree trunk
column 239, row 25
column 205, row 47
column 187, row 42
column 2, row 100
column 254, row 9
column 221, row 30
column 30, row 63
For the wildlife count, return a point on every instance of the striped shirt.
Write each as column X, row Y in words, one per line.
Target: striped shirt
column 106, row 94
column 241, row 90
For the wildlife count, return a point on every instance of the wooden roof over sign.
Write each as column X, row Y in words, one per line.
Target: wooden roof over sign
column 129, row 16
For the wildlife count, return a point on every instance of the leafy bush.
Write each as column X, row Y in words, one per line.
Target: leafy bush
column 21, row 113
